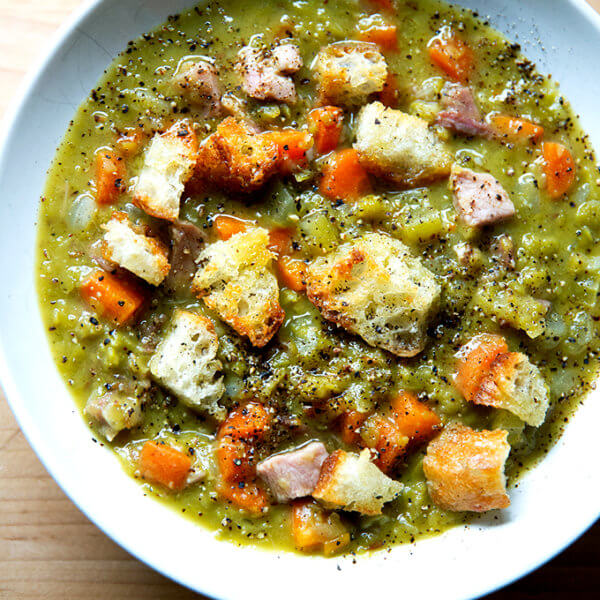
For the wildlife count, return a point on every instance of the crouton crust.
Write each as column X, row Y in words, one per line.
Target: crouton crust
column 168, row 165
column 465, row 469
column 235, row 280
column 516, row 385
column 186, row 363
column 131, row 249
column 349, row 72
column 400, row 147
column 375, row 288
column 236, row 158
column 352, row 482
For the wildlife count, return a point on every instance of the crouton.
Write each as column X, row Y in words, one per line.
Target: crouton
column 144, row 256
column 351, row 482
column 514, row 384
column 236, row 158
column 235, row 280
column 349, row 72
column 400, row 147
column 168, row 165
column 479, row 199
column 375, row 288
column 186, row 363
column 111, row 413
column 465, row 469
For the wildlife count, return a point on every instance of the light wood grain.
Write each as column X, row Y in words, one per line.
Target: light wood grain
column 48, row 549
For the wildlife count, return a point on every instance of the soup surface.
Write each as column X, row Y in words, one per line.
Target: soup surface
column 322, row 274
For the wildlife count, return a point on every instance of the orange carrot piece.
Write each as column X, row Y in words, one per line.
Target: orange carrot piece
column 280, row 240
column 113, row 298
column 344, row 178
column 164, row 464
column 559, row 167
column 452, row 55
column 235, row 460
column 383, row 435
column 414, row 419
column 475, row 360
column 249, row 422
column 292, row 273
column 292, row 146
column 389, row 94
column 313, row 530
column 349, row 424
column 325, row 123
column 245, row 495
column 385, row 36
column 110, row 176
column 227, row 226
column 516, row 129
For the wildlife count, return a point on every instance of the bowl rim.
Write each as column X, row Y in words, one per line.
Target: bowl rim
column 30, row 429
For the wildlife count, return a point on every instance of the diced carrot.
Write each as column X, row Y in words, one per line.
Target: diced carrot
column 387, row 5
column 349, row 424
column 414, row 419
column 292, row 273
column 559, row 167
column 280, row 240
column 227, row 226
column 112, row 297
column 292, row 146
column 385, row 36
column 344, row 178
column 245, row 495
column 383, row 435
column 475, row 360
column 235, row 459
column 389, row 94
column 325, row 123
column 164, row 464
column 516, row 129
column 313, row 528
column 249, row 422
column 452, row 55
column 110, row 176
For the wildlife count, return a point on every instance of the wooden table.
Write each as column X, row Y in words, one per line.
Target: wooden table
column 48, row 549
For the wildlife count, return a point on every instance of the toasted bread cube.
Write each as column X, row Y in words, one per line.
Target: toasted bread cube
column 375, row 288
column 465, row 469
column 111, row 413
column 168, row 164
column 400, row 147
column 235, row 280
column 516, row 385
column 349, row 72
column 144, row 256
column 352, row 482
column 236, row 158
column 186, row 363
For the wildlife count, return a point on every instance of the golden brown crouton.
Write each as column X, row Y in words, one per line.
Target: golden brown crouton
column 349, row 72
column 516, row 385
column 186, row 363
column 131, row 249
column 465, row 469
column 236, row 158
column 168, row 165
column 236, row 281
column 352, row 482
column 400, row 147
column 375, row 288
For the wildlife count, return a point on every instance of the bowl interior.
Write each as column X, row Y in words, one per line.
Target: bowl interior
column 562, row 37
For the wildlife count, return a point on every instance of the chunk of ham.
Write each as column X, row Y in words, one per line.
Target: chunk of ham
column 293, row 474
column 479, row 199
column 199, row 83
column 265, row 73
column 460, row 113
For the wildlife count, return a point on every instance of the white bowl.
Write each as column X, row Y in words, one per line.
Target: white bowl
column 553, row 504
